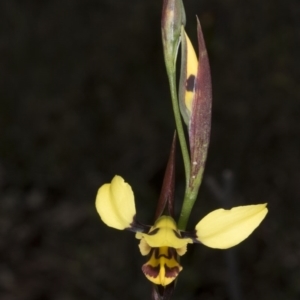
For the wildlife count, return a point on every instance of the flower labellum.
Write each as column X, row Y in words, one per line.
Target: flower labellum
column 163, row 266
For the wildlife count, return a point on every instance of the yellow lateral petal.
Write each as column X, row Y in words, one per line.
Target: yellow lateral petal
column 223, row 229
column 144, row 247
column 181, row 251
column 138, row 235
column 115, row 203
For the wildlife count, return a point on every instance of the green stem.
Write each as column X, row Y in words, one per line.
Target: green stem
column 186, row 210
column 179, row 127
column 190, row 197
column 191, row 191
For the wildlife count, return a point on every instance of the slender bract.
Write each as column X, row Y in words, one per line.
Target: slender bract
column 165, row 201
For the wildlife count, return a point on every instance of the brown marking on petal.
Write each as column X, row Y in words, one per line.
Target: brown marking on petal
column 177, row 234
column 153, row 231
column 156, row 252
column 171, row 253
column 171, row 272
column 150, row 270
column 190, row 83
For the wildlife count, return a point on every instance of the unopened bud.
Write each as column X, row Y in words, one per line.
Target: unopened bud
column 173, row 17
column 188, row 74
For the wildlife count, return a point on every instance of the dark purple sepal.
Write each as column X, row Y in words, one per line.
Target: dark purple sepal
column 191, row 235
column 165, row 203
column 200, row 123
column 136, row 226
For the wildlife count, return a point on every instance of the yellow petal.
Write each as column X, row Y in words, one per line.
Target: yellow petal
column 115, row 203
column 223, row 229
column 181, row 251
column 138, row 235
column 144, row 247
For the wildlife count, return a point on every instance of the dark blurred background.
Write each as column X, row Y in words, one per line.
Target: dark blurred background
column 84, row 95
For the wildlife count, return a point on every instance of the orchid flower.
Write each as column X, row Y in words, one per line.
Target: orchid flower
column 163, row 242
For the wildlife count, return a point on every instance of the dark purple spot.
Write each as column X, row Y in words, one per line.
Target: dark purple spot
column 190, row 83
column 151, row 271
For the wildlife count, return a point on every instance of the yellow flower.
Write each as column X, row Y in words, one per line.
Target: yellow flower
column 163, row 242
